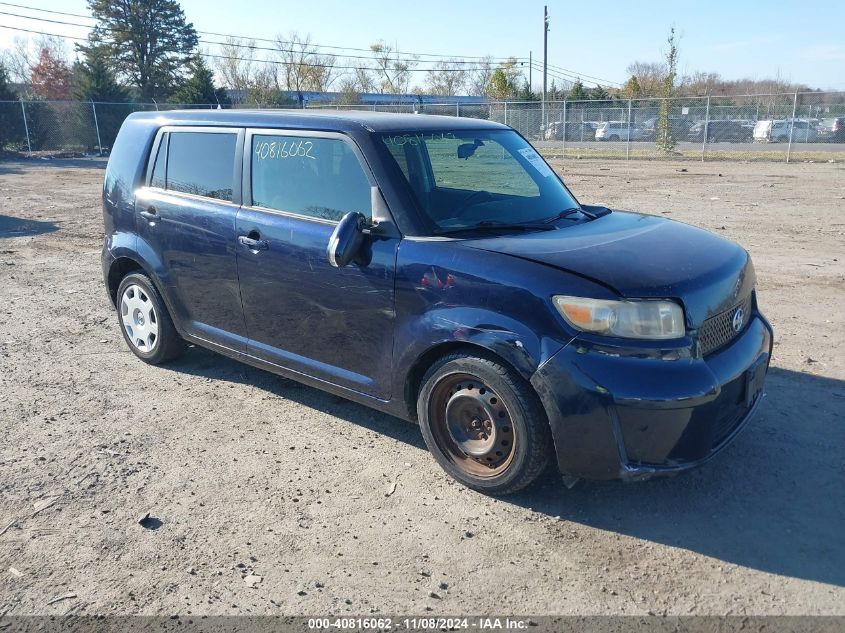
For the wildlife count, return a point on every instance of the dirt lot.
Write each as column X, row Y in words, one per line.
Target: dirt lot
column 246, row 474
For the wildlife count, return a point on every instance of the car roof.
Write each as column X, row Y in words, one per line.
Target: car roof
column 330, row 120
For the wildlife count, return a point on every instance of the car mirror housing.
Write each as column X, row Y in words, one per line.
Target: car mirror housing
column 346, row 240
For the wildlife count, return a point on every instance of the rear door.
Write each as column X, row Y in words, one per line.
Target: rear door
column 335, row 324
column 185, row 217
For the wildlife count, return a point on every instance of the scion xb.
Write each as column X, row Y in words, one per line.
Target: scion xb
column 439, row 270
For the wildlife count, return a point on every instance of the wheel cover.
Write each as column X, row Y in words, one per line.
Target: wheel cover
column 139, row 318
column 472, row 426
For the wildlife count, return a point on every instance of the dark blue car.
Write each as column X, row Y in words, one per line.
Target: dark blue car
column 436, row 269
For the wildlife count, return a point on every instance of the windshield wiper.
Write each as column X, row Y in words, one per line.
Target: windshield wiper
column 565, row 213
column 490, row 225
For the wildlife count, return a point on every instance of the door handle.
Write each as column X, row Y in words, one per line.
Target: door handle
column 253, row 243
column 150, row 215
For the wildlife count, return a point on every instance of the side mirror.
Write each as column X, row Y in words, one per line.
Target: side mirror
column 346, row 240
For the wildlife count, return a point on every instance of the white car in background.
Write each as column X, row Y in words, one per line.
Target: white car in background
column 618, row 131
column 777, row 131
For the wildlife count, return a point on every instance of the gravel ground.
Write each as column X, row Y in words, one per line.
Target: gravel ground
column 269, row 497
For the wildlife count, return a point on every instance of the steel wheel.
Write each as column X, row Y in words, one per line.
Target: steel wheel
column 472, row 426
column 139, row 318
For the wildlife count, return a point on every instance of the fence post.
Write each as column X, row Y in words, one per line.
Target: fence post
column 97, row 127
column 506, row 112
column 155, row 103
column 628, row 141
column 706, row 125
column 564, row 128
column 791, row 126
column 458, row 109
column 26, row 129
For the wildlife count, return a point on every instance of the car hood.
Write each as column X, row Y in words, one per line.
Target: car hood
column 641, row 256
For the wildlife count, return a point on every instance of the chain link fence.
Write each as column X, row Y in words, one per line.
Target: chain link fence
column 787, row 127
column 807, row 126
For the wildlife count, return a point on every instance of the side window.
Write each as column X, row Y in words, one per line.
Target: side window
column 318, row 177
column 201, row 163
column 157, row 179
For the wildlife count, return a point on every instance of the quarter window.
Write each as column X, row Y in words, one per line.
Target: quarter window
column 201, row 163
column 313, row 176
column 157, row 179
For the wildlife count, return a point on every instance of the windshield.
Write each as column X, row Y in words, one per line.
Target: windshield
column 463, row 178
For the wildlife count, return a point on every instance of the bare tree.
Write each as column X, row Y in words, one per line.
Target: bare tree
column 394, row 72
column 649, row 76
column 237, row 66
column 447, row 78
column 478, row 79
column 665, row 138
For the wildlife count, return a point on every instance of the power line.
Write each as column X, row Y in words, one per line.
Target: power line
column 455, row 58
column 250, row 59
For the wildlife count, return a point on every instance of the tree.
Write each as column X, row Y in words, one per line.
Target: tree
column 18, row 61
column 148, row 41
column 50, row 77
column 598, row 94
column 478, row 79
column 302, row 68
column 95, row 80
column 665, row 141
column 631, row 89
column 447, row 78
column 395, row 71
column 11, row 125
column 236, row 66
column 200, row 88
column 649, row 76
column 577, row 91
column 504, row 82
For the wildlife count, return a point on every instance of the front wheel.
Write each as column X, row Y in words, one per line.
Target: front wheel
column 483, row 423
column 145, row 322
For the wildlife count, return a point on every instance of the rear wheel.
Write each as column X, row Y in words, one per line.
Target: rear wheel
column 613, row 137
column 483, row 423
column 145, row 322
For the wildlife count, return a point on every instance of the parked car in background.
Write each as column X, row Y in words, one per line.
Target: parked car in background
column 619, row 131
column 719, row 131
column 778, row 130
column 679, row 127
column 831, row 130
column 574, row 130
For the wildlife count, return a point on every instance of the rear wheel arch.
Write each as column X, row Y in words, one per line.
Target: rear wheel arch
column 119, row 268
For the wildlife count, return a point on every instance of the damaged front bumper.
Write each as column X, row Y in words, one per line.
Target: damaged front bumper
column 623, row 414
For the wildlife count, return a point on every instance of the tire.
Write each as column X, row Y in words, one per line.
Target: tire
column 144, row 321
column 499, row 455
column 613, row 137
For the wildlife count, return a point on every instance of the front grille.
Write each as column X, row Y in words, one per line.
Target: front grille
column 718, row 331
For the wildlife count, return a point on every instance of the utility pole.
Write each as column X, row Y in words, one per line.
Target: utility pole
column 530, row 68
column 545, row 58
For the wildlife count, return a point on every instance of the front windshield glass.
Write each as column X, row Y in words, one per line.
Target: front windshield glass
column 463, row 178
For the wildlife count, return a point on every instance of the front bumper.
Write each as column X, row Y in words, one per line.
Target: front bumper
column 629, row 415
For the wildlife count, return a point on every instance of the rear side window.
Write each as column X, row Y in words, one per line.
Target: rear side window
column 313, row 176
column 201, row 163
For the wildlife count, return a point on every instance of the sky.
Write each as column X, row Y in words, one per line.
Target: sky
column 799, row 42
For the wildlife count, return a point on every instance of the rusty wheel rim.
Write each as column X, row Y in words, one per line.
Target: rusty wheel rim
column 472, row 426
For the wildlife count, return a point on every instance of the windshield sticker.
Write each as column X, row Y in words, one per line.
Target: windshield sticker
column 529, row 154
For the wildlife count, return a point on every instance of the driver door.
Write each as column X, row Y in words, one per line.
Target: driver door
column 335, row 324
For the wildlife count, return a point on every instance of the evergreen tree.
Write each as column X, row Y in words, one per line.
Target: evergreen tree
column 199, row 88
column 577, row 92
column 148, row 42
column 11, row 125
column 95, row 80
column 599, row 94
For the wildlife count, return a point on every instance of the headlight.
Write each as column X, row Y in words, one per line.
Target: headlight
column 627, row 319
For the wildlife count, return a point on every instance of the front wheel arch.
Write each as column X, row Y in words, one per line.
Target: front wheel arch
column 413, row 379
